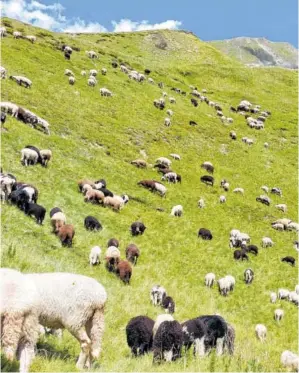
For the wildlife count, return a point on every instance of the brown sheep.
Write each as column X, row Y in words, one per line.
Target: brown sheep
column 149, row 184
column 113, row 202
column 139, row 163
column 113, row 242
column 132, row 253
column 66, row 234
column 112, row 258
column 58, row 220
column 85, row 181
column 95, row 196
column 124, row 271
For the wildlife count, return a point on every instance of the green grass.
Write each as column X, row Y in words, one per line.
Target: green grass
column 93, row 137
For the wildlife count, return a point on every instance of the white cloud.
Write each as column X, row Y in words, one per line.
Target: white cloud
column 126, row 25
column 50, row 17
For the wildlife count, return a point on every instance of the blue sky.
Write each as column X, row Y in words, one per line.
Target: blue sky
column 276, row 20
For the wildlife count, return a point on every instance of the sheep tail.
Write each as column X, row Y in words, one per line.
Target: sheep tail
column 96, row 332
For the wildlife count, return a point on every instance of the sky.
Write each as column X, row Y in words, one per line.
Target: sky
column 276, row 20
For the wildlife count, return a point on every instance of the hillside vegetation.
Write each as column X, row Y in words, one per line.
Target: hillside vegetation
column 259, row 52
column 94, row 137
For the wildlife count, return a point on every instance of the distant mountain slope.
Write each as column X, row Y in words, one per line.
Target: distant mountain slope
column 259, row 52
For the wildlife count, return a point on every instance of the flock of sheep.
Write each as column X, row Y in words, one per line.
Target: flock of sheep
column 48, row 304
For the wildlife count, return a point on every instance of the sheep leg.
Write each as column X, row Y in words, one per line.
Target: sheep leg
column 95, row 330
column 199, row 347
column 219, row 346
column 85, row 344
column 11, row 329
column 25, row 351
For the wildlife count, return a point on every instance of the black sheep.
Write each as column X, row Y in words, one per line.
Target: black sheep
column 194, row 102
column 168, row 341
column 132, row 253
column 234, row 110
column 92, row 224
column 194, row 331
column 114, row 64
column 137, row 228
column 240, row 254
column 290, row 260
column 147, row 71
column 252, row 249
column 67, row 55
column 216, row 330
column 54, row 211
column 205, row 234
column 192, row 123
column 37, row 211
column 140, row 335
column 107, row 193
column 168, row 305
column 210, row 168
column 19, row 197
column 207, row 179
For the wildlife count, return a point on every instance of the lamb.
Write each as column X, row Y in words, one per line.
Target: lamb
column 124, row 271
column 248, row 276
column 283, row 293
column 10, row 108
column 194, row 332
column 92, row 82
column 205, row 234
column 28, row 156
column 66, row 234
column 289, row 259
column 201, row 203
column 139, row 333
column 261, row 332
column 137, row 228
column 290, row 360
column 233, row 135
column 157, row 295
column 104, row 71
column 115, row 203
column 273, row 297
column 177, row 210
column 105, row 92
column 276, row 190
column 222, row 199
column 60, row 292
column 264, row 199
column 208, row 167
column 21, row 80
column 95, row 255
column 95, row 196
column 72, row 80
column 92, row 54
column 19, row 319
column 93, row 72
column 239, row 190
column 92, row 224
column 31, row 38
column 267, row 242
column 207, row 179
column 169, row 112
column 163, row 161
column 216, row 332
column 168, row 341
column 210, row 278
column 132, row 253
column 37, row 211
column 58, row 219
column 68, row 72
column 172, row 100
column 167, row 122
column 112, row 258
column 278, row 226
column 168, row 305
column 46, row 156
column 278, row 314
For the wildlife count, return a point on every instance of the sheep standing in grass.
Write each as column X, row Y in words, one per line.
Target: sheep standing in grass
column 222, row 199
column 112, row 258
column 104, row 71
column 28, row 156
column 273, row 297
column 124, row 271
column 157, row 295
column 283, row 293
column 223, row 285
column 201, row 203
column 132, row 253
column 278, row 314
column 60, row 292
column 72, row 80
column 68, row 72
column 58, row 219
column 31, row 38
column 139, row 333
column 167, row 122
column 95, row 255
column 105, row 92
column 46, row 156
column 261, row 332
column 210, row 278
column 66, row 234
column 194, row 332
column 267, row 242
column 290, row 360
column 216, row 331
column 177, row 210
column 3, row 72
column 248, row 276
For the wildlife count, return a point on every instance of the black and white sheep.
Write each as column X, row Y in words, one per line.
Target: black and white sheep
column 194, row 332
column 157, row 295
column 248, row 276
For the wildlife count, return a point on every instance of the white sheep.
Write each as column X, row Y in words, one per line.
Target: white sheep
column 201, row 203
column 104, row 71
column 92, row 54
column 169, row 112
column 112, row 252
column 93, row 72
column 91, row 82
column 261, row 332
column 43, row 124
column 60, row 292
column 278, row 314
column 231, row 282
column 266, row 145
column 3, row 72
column 151, row 80
column 95, row 255
column 297, row 289
column 17, row 34
column 222, row 199
column 164, row 161
column 224, row 286
column 229, row 120
column 124, row 69
column 210, row 278
column 46, row 156
column 265, row 188
column 283, row 293
column 68, row 72
column 239, row 190
column 175, row 156
column 164, row 94
column 172, row 100
column 31, row 38
column 167, row 122
column 292, row 226
column 10, row 108
column 267, row 242
column 161, row 318
column 157, row 295
column 290, row 360
column 293, row 296
column 3, row 31
column 28, row 156
column 21, row 80
column 177, row 210
column 83, row 73
column 273, row 297
column 72, row 80
column 278, row 226
column 105, row 92
column 161, row 189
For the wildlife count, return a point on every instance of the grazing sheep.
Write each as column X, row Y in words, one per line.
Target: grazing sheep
column 240, row 254
column 114, row 64
column 252, row 249
column 21, row 80
column 264, row 200
column 104, row 71
column 222, row 199
column 92, row 82
column 9, row 108
column 248, row 276
column 201, row 203
column 265, row 189
column 93, row 73
column 19, row 317
column 261, row 332
column 32, row 209
column 175, row 156
column 72, row 80
column 29, row 156
column 208, row 167
column 151, row 80
column 139, row 333
column 132, row 253
column 169, row 112
column 266, row 145
column 124, row 271
column 167, row 122
column 289, row 259
column 113, row 242
column 278, row 314
column 233, row 135
column 95, row 255
column 239, row 190
column 66, row 234
column 282, row 207
column 294, row 297
column 105, row 92
column 194, row 332
column 92, row 54
column 92, row 224
column 273, row 297
column 216, row 331
column 283, row 293
column 60, row 292
column 277, row 191
column 95, row 196
column 137, row 228
column 267, row 242
column 112, row 258
column 160, row 188
column 157, row 295
column 106, row 192
column 207, row 179
column 83, row 73
column 163, row 161
column 210, row 278
column 229, row 339
column 223, row 286
column 31, row 38
column 168, row 305
column 46, row 156
column 172, row 177
column 231, row 282
column 290, row 360
column 292, row 226
column 139, row 163
column 68, row 72
column 172, row 100
column 58, row 219
column 115, row 203
column 278, row 226
column 177, row 210
column 205, row 234
column 168, row 341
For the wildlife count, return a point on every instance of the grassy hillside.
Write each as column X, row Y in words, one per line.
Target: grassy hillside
column 259, row 52
column 95, row 137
